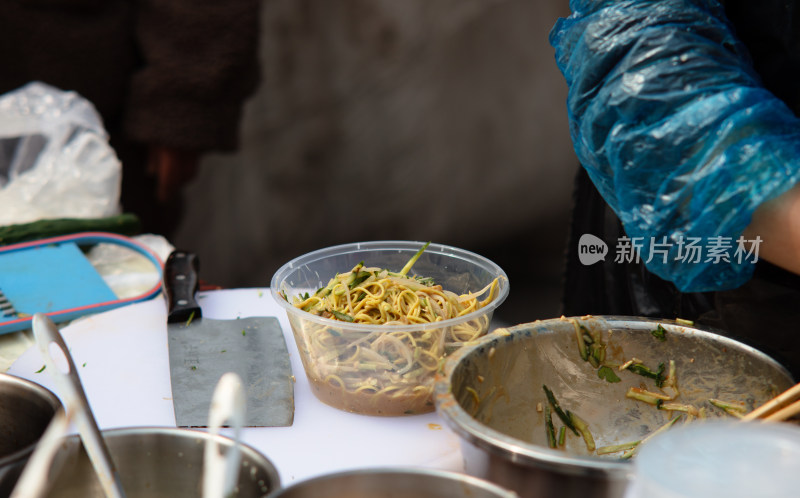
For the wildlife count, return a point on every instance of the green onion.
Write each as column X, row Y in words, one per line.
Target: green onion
column 561, row 414
column 413, row 260
column 548, row 426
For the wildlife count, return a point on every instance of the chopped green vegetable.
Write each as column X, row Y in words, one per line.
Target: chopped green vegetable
column 342, row 316
column 414, row 259
column 358, row 278
column 561, row 414
column 629, row 453
column 646, row 396
column 189, row 320
column 659, row 333
column 584, row 352
column 679, row 407
column 41, row 369
column 562, row 435
column 642, row 370
column 583, row 428
column 243, row 332
column 608, row 374
column 427, row 281
column 548, row 427
column 597, row 354
column 614, row 448
column 729, row 408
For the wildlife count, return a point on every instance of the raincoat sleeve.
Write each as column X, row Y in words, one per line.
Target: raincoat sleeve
column 676, row 131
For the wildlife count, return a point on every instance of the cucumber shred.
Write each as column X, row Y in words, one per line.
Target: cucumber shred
column 122, row 224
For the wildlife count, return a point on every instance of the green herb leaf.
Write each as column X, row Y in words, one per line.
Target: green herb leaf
column 659, row 333
column 608, row 374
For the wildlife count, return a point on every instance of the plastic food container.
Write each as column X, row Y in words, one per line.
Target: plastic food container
column 731, row 459
column 383, row 369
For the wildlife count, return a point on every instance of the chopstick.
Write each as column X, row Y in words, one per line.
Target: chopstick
column 776, row 409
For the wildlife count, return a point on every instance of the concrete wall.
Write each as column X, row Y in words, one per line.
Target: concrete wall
column 437, row 120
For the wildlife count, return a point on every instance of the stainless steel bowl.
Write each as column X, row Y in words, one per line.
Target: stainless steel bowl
column 26, row 409
column 155, row 462
column 394, row 483
column 490, row 394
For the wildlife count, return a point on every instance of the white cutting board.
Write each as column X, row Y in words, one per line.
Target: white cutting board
column 122, row 359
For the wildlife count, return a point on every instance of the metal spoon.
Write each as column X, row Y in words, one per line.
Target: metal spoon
column 69, row 386
column 221, row 472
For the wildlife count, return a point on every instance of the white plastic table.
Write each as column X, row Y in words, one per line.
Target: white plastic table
column 122, row 359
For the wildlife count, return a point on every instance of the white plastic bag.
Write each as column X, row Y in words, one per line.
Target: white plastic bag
column 55, row 159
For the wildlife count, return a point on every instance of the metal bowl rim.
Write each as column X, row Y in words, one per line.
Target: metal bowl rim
column 44, row 394
column 252, row 453
column 404, row 471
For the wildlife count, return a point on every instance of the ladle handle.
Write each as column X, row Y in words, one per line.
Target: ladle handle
column 221, row 472
column 69, row 386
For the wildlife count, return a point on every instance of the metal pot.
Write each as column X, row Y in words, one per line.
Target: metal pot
column 491, row 394
column 394, row 483
column 26, row 409
column 155, row 462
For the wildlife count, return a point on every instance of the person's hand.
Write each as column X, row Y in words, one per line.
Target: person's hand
column 173, row 168
column 777, row 223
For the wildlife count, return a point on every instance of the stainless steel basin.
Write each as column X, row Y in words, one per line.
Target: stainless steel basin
column 491, row 394
column 155, row 462
column 26, row 409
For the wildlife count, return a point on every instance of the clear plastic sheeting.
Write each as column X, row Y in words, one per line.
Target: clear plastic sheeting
column 55, row 159
column 675, row 129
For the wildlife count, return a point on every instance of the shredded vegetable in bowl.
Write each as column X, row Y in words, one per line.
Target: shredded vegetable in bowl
column 384, row 371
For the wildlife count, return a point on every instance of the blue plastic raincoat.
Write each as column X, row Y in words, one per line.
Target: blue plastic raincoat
column 675, row 129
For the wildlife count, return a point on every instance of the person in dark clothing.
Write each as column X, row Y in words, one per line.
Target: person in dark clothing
column 684, row 117
column 168, row 78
